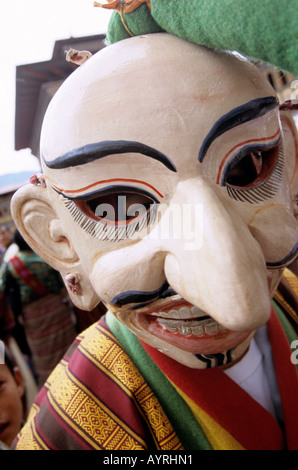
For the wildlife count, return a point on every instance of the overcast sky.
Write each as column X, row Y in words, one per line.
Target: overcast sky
column 28, row 31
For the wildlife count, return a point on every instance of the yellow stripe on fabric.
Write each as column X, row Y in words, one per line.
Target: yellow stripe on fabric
column 37, row 438
column 106, row 353
column 292, row 279
column 284, row 304
column 33, row 411
column 219, row 438
column 28, row 438
column 90, row 418
column 55, row 374
column 109, row 359
column 122, row 424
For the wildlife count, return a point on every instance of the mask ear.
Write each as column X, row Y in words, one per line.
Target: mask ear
column 291, row 152
column 37, row 221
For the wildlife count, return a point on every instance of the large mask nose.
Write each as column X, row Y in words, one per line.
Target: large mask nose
column 214, row 262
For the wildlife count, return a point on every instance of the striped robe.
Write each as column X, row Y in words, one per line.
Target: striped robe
column 110, row 392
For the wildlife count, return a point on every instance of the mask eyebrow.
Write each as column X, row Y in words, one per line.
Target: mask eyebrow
column 91, row 152
column 244, row 113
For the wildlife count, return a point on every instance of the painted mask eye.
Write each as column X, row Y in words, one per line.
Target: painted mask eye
column 251, row 168
column 255, row 174
column 115, row 213
column 116, row 208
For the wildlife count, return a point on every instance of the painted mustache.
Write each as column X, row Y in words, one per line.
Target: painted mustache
column 140, row 297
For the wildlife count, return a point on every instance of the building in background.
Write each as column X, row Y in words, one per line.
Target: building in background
column 36, row 84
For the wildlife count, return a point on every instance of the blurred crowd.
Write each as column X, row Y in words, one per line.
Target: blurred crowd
column 38, row 323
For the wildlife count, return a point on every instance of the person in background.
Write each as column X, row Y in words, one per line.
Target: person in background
column 12, row 401
column 7, row 244
column 38, row 299
column 12, row 337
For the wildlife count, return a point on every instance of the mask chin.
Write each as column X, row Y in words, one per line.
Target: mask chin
column 224, row 359
column 207, row 351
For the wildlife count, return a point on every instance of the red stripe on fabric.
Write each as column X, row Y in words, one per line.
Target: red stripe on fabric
column 108, row 392
column 220, row 397
column 72, row 348
column 41, row 435
column 287, row 379
column 50, row 426
column 41, row 396
column 58, row 419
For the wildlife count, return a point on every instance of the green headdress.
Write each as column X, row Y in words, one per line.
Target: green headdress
column 264, row 30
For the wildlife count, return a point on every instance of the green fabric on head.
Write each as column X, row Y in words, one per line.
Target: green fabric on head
column 265, row 30
column 139, row 22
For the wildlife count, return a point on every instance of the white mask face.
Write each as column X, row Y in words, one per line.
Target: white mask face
column 165, row 163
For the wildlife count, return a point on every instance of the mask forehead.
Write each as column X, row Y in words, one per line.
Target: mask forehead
column 118, row 94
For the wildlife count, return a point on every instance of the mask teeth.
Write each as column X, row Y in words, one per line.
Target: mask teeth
column 182, row 313
column 192, row 327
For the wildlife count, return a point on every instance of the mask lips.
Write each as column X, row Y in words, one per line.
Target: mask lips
column 198, row 335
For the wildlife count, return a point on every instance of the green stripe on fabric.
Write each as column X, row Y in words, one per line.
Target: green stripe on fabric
column 265, row 30
column 184, row 423
column 287, row 327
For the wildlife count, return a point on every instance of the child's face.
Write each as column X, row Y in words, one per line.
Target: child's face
column 5, row 237
column 11, row 407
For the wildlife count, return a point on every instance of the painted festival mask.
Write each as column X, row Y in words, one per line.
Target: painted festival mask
column 169, row 186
